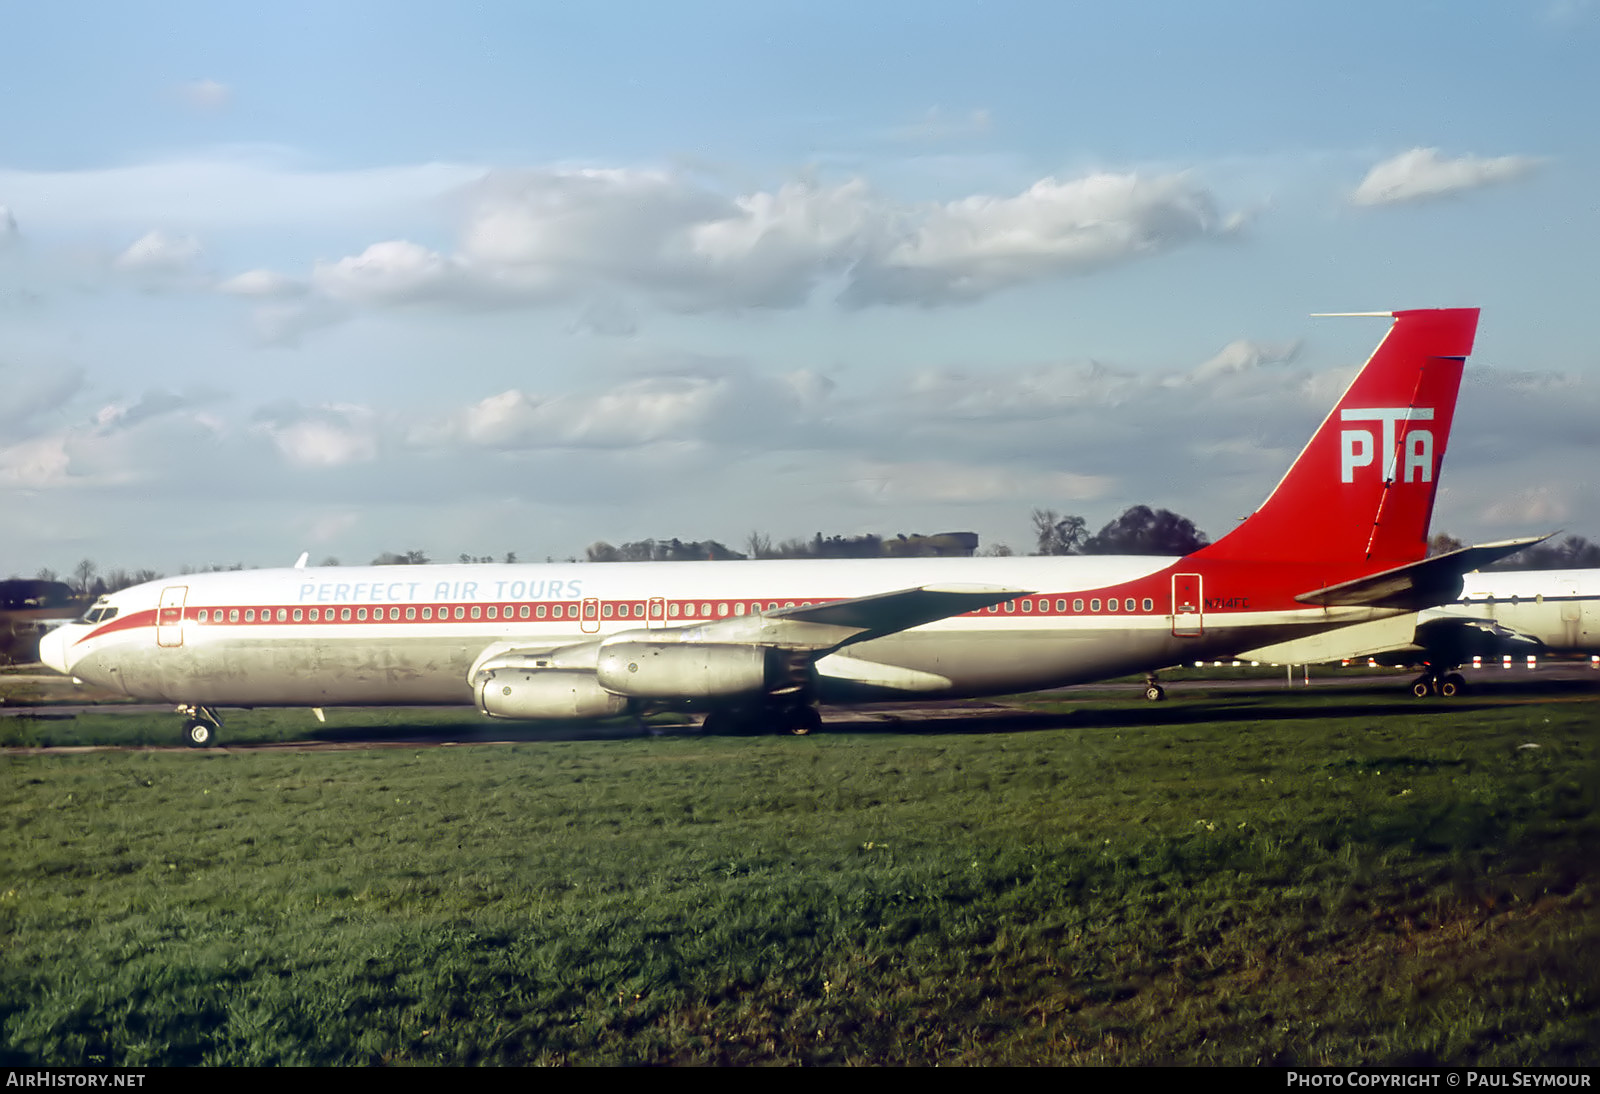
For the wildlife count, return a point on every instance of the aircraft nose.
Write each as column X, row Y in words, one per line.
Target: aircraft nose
column 53, row 649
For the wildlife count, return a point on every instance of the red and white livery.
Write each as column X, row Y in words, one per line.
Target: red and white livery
column 1340, row 541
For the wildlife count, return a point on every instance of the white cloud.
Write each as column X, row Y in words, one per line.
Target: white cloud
column 1422, row 174
column 35, row 464
column 1239, row 357
column 208, row 95
column 161, row 253
column 242, row 188
column 967, row 483
column 938, row 124
column 689, row 409
column 321, row 437
column 969, row 249
column 534, row 237
column 391, row 272
column 264, row 284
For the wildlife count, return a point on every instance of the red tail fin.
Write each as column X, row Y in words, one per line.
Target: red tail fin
column 1363, row 489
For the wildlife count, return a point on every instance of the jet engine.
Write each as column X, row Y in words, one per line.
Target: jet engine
column 505, row 690
column 671, row 670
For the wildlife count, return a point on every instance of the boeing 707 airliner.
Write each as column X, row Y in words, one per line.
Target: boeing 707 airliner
column 1340, row 541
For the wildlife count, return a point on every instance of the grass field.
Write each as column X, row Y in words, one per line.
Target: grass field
column 1232, row 877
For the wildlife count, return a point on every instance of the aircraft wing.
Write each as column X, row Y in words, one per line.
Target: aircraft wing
column 1437, row 636
column 812, row 629
column 1416, row 585
column 842, row 622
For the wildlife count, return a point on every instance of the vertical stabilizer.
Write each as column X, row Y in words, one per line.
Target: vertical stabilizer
column 1363, row 488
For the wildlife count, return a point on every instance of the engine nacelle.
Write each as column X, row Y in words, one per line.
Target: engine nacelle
column 671, row 670
column 513, row 691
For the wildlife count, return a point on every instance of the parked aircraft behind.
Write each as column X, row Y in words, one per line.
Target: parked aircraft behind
column 1520, row 613
column 1339, row 541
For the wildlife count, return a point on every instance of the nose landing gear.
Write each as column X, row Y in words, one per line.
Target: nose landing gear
column 201, row 726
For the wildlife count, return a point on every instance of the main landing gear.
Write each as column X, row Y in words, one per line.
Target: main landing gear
column 1152, row 690
column 1446, row 685
column 200, row 727
column 796, row 719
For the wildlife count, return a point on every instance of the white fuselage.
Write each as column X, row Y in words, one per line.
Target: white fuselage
column 412, row 634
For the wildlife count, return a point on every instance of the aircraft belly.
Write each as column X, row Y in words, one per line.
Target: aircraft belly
column 264, row 672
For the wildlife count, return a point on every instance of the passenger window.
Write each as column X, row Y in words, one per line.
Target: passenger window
column 283, row 614
column 477, row 612
column 249, row 615
column 1127, row 605
column 1061, row 605
column 461, row 613
column 411, row 613
column 344, row 615
column 298, row 615
column 1149, row 605
column 540, row 611
column 605, row 609
column 315, row 614
column 494, row 612
column 233, row 615
column 1094, row 604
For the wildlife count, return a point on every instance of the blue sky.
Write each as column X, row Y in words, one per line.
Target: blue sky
column 353, row 278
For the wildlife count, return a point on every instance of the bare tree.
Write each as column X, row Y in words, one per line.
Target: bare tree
column 1058, row 535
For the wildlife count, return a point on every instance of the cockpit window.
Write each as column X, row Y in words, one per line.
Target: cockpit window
column 99, row 615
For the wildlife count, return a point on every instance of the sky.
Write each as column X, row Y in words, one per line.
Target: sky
column 516, row 277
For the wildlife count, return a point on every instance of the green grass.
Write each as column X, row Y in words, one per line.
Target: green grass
column 1230, row 878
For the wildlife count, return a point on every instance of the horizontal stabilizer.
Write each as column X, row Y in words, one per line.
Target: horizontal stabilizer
column 1416, row 585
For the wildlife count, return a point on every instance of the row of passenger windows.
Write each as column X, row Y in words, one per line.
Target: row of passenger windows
column 608, row 610
column 1130, row 604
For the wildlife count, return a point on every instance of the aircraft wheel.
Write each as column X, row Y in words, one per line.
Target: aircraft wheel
column 1422, row 687
column 198, row 734
column 1155, row 693
column 805, row 721
column 1453, row 685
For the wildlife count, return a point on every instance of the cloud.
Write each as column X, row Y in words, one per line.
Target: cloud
column 1422, row 175
column 328, row 436
column 538, row 237
column 1238, row 358
column 392, row 272
column 284, row 324
column 32, row 394
column 207, row 95
column 972, row 248
column 966, row 483
column 690, row 409
column 263, row 284
column 937, row 124
column 163, row 262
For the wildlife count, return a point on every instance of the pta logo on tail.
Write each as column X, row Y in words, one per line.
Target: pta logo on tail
column 1356, row 448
